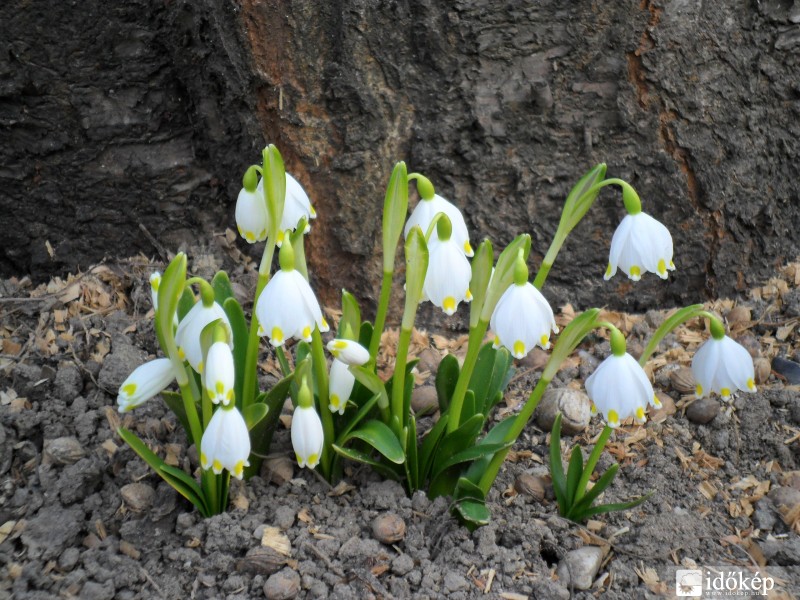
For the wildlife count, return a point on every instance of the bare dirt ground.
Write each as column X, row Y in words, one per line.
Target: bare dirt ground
column 81, row 516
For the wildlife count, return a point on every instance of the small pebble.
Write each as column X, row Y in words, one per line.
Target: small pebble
column 388, row 528
column 682, row 380
column 283, row 585
column 579, row 567
column 739, row 314
column 786, row 500
column 261, row 560
column 429, row 360
column 702, row 410
column 763, row 369
column 530, row 485
column 536, row 359
column 64, row 450
column 424, row 400
column 659, row 415
column 787, row 369
column 138, row 496
column 573, row 405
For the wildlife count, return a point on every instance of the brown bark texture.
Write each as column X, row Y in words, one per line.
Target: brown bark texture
column 127, row 121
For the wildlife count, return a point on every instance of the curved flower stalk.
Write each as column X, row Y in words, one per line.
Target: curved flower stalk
column 308, row 436
column 145, row 382
column 429, row 206
column 619, row 387
column 723, row 366
column 522, row 318
column 226, row 443
column 449, row 273
column 288, row 307
column 640, row 244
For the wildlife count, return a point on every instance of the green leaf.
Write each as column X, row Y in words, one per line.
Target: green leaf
column 363, row 411
column 429, row 446
column 412, row 464
column 372, row 382
column 395, row 209
column 169, row 292
column 456, row 441
column 378, row 435
column 557, row 467
column 574, row 472
column 254, row 413
column 222, row 287
column 569, row 339
column 479, row 283
column 174, row 401
column 677, row 318
column 467, row 490
column 598, row 488
column 469, row 454
column 474, row 513
column 607, row 508
column 501, row 377
column 365, row 458
column 193, row 494
column 496, row 435
column 185, row 303
column 446, row 379
column 261, row 432
column 578, row 202
column 365, row 335
column 235, row 315
column 351, row 315
column 482, row 374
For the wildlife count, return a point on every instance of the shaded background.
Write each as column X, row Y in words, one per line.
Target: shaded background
column 122, row 121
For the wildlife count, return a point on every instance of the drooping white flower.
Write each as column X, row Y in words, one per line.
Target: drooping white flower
column 723, row 366
column 522, row 320
column 307, row 436
column 619, row 389
column 340, row 386
column 448, row 276
column 288, row 308
column 145, row 382
column 252, row 220
column 187, row 337
column 226, row 443
column 296, row 206
column 424, row 213
column 155, row 282
column 348, row 351
column 640, row 244
column 220, row 373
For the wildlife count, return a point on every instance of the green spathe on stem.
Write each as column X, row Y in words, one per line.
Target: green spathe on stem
column 274, row 188
column 416, row 267
column 424, row 186
column 670, row 323
column 250, row 179
column 395, row 209
column 286, row 255
column 504, row 273
column 478, row 285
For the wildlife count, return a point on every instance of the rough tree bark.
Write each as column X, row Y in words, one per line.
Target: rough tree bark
column 124, row 117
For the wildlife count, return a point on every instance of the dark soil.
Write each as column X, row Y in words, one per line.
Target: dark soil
column 81, row 516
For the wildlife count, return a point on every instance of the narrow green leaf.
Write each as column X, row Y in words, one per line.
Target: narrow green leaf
column 254, row 413
column 416, row 252
column 469, row 406
column 446, row 379
column 362, row 457
column 468, row 490
column 496, row 435
column 479, row 283
column 235, row 315
column 569, row 339
column 429, row 447
column 412, row 464
column 351, row 314
column 598, row 488
column 557, row 467
column 501, row 377
column 222, row 287
column 186, row 486
column 455, row 442
column 174, row 402
column 482, row 375
column 372, row 382
column 578, row 202
column 365, row 335
column 378, row 435
column 607, row 508
column 261, row 432
column 469, row 454
column 363, row 411
column 574, row 472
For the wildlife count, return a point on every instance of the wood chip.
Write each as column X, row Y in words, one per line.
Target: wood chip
column 274, row 538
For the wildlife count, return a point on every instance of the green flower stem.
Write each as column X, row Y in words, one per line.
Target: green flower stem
column 399, row 382
column 549, row 259
column 588, row 469
column 476, row 336
column 488, row 477
column 677, row 319
column 380, row 316
column 211, row 490
column 320, row 365
column 191, row 411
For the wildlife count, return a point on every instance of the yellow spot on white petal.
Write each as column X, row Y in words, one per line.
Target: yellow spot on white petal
column 181, row 354
column 313, row 213
column 467, row 247
column 544, row 340
column 593, row 409
column 220, row 388
column 261, row 330
column 313, row 461
column 216, row 466
column 250, row 236
column 656, row 401
column 200, row 367
column 335, row 401
column 519, row 349
column 635, row 273
column 698, row 391
column 608, row 270
column 449, row 305
column 306, row 333
column 725, row 392
column 238, row 469
column 129, row 389
column 281, row 235
column 203, row 461
column 496, row 342
column 751, row 385
column 277, row 335
column 640, row 414
column 339, row 344
column 671, row 265
column 325, row 325
column 613, row 418
column 299, row 460
column 155, row 282
column 468, row 296
column 229, row 397
column 662, row 267
column 241, row 231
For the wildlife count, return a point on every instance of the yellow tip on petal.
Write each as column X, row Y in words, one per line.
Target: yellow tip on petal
column 671, row 265
column 277, row 335
column 324, row 323
column 203, row 461
column 449, row 305
column 335, row 401
column 468, row 248
column 635, row 273
column 238, row 469
column 544, row 341
column 640, row 414
column 229, row 397
column 613, row 418
column 250, row 236
column 181, row 354
column 698, row 391
column 129, row 389
column 608, row 271
column 281, row 235
column 300, row 462
column 306, row 333
column 339, row 344
column 519, row 349
column 313, row 461
column 593, row 408
column 216, row 466
column 725, row 392
column 155, row 282
column 241, row 231
column 662, row 267
column 656, row 402
column 751, row 385
column 220, row 388
column 200, row 367
column 496, row 342
column 468, row 296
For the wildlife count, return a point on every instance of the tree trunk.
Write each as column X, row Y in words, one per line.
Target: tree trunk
column 127, row 120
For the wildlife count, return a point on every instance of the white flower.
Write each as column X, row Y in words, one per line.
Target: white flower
column 288, row 308
column 187, row 337
column 307, row 436
column 426, row 210
column 252, row 220
column 723, row 366
column 145, row 382
column 619, row 388
column 348, row 351
column 155, row 281
column 296, row 206
column 226, row 443
column 640, row 244
column 522, row 319
column 220, row 373
column 340, row 386
column 447, row 280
